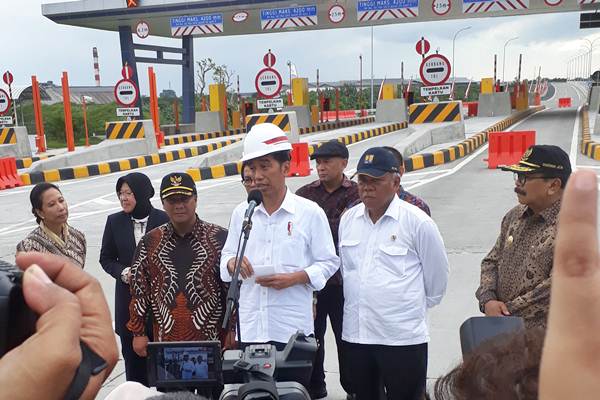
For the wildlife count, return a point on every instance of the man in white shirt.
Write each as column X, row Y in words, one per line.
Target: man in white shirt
column 290, row 252
column 394, row 267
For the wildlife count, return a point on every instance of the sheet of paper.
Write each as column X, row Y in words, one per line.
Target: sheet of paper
column 261, row 270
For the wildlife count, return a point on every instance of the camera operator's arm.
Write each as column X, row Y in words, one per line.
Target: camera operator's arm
column 139, row 287
column 71, row 309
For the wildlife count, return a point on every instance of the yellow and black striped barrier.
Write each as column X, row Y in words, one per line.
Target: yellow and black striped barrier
column 422, row 113
column 8, row 136
column 126, row 164
column 281, row 120
column 125, row 130
column 26, row 162
column 195, row 137
column 235, row 168
column 588, row 147
column 424, row 160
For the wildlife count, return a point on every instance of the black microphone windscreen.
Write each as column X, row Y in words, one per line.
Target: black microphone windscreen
column 256, row 196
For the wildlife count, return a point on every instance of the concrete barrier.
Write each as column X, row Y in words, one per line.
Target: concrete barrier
column 421, row 113
column 391, row 111
column 494, row 104
column 302, row 115
column 437, row 134
column 594, row 100
column 170, row 129
column 106, row 150
column 126, row 130
column 588, row 147
column 14, row 142
column 209, row 121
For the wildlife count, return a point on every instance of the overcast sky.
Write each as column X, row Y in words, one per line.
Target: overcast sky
column 33, row 44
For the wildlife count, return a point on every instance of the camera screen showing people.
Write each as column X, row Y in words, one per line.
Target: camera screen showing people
column 196, row 364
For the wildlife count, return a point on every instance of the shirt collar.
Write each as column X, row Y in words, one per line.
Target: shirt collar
column 346, row 183
column 171, row 229
column 289, row 203
column 392, row 211
column 550, row 214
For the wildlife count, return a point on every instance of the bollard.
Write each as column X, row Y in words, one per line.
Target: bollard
column 67, row 111
column 39, row 122
column 85, row 125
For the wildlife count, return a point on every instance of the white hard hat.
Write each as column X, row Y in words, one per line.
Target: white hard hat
column 264, row 139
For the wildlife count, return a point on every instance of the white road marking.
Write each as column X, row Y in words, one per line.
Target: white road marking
column 575, row 140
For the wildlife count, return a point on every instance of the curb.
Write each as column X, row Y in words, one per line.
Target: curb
column 466, row 147
column 27, row 161
column 588, row 146
column 235, row 168
column 103, row 168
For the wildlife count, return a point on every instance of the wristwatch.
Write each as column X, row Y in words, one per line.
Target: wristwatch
column 125, row 275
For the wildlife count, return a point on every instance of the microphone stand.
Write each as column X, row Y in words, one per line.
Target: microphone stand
column 233, row 294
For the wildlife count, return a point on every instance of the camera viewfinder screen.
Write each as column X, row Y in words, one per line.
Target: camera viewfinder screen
column 193, row 363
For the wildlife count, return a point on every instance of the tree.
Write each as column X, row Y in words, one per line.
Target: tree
column 205, row 66
column 224, row 76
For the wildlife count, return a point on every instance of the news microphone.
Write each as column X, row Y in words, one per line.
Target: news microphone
column 255, row 197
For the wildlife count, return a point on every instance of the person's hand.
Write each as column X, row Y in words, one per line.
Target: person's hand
column 570, row 367
column 229, row 342
column 283, row 281
column 246, row 270
column 140, row 345
column 495, row 308
column 71, row 307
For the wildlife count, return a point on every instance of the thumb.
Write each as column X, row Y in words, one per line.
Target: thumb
column 44, row 365
column 504, row 309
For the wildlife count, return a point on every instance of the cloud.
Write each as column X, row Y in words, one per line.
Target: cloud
column 45, row 49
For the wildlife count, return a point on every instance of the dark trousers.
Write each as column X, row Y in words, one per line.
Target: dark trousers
column 330, row 302
column 135, row 366
column 403, row 370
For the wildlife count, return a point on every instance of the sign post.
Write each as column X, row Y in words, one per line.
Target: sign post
column 268, row 81
column 7, row 77
column 435, row 70
column 67, row 111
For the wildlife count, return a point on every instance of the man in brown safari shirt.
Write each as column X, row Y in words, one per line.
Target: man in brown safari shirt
column 515, row 275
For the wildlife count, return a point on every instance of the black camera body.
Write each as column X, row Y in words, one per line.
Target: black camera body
column 17, row 321
column 262, row 372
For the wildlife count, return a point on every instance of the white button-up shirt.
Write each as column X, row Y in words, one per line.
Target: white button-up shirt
column 393, row 271
column 296, row 237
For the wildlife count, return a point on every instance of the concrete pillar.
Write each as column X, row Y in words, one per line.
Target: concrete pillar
column 300, row 91
column 487, row 85
column 187, row 80
column 128, row 56
column 391, row 111
column 390, row 91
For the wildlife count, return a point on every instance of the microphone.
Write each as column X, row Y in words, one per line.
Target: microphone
column 255, row 197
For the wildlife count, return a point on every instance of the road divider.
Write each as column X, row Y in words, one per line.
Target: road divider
column 564, row 102
column 234, row 168
column 421, row 113
column 125, row 130
column 8, row 136
column 424, row 160
column 507, row 148
column 8, row 173
column 84, row 171
column 588, row 146
column 27, row 161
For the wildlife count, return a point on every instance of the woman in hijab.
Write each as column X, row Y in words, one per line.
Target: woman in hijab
column 53, row 235
column 122, row 233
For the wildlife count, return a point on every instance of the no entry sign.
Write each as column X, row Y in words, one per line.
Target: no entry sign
column 126, row 92
column 4, row 101
column 435, row 70
column 268, row 83
column 269, row 59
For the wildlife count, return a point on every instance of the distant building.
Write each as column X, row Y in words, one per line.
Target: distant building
column 51, row 93
column 168, row 93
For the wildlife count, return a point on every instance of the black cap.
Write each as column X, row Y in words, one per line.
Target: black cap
column 177, row 183
column 546, row 159
column 376, row 162
column 332, row 148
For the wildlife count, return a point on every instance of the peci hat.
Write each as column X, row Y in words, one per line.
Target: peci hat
column 332, row 148
column 177, row 183
column 546, row 159
column 376, row 162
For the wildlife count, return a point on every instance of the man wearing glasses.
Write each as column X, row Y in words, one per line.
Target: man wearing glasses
column 175, row 273
column 515, row 275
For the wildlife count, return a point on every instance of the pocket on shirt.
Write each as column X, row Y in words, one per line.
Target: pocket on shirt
column 392, row 260
column 292, row 255
column 349, row 254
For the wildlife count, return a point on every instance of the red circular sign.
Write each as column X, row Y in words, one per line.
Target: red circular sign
column 336, row 14
column 553, row 3
column 268, row 83
column 7, row 77
column 269, row 59
column 423, row 46
column 4, row 102
column 442, row 7
column 126, row 93
column 435, row 70
column 142, row 29
column 127, row 72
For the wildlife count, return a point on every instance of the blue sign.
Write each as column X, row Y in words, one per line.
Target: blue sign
column 197, row 20
column 292, row 12
column 376, row 5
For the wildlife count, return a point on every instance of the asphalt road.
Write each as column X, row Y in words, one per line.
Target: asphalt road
column 467, row 202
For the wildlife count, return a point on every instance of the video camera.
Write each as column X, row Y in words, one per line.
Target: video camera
column 258, row 372
column 17, row 321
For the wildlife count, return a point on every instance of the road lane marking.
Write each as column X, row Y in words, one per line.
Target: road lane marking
column 575, row 140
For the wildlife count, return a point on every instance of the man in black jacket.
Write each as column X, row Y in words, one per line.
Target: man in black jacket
column 122, row 232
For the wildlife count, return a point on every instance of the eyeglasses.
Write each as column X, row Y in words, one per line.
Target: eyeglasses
column 522, row 178
column 122, row 195
column 247, row 181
